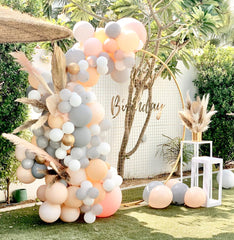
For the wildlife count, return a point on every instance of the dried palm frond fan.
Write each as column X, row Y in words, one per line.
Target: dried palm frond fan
column 196, row 117
column 18, row 27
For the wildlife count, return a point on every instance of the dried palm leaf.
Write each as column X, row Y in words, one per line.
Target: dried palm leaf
column 27, row 66
column 185, row 120
column 59, row 75
column 188, row 101
column 32, row 148
column 33, row 102
column 24, row 126
column 52, row 102
column 40, row 122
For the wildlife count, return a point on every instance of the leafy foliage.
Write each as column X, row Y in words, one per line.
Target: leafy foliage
column 216, row 77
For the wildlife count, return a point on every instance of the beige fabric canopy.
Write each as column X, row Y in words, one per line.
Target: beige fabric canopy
column 18, row 27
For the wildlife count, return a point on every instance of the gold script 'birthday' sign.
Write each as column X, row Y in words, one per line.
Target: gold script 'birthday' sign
column 118, row 105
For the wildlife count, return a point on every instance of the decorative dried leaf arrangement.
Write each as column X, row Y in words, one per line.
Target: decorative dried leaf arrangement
column 195, row 116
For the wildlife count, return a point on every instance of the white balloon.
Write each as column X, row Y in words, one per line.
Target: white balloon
column 88, row 201
column 34, row 94
column 95, row 129
column 74, row 165
column 75, row 100
column 65, row 94
column 228, row 178
column 65, row 147
column 60, row 153
column 37, row 110
column 68, row 127
column 49, row 212
column 56, row 135
column 83, row 64
column 77, row 153
column 119, row 65
column 86, row 184
column 67, row 159
column 102, row 61
column 89, row 217
column 82, row 31
column 104, row 148
column 102, row 70
column 108, row 185
column 118, row 180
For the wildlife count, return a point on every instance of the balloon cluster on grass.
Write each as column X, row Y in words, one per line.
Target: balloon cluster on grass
column 159, row 195
column 68, row 146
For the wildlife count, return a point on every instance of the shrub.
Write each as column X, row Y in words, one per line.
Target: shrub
column 216, row 76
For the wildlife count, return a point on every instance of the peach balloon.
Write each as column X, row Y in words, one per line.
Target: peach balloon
column 72, row 201
column 34, row 140
column 76, row 177
column 195, row 197
column 96, row 170
column 93, row 78
column 100, row 35
column 111, row 202
column 98, row 113
column 69, row 214
column 128, row 41
column 56, row 193
column 49, row 212
column 24, row 175
column 92, row 47
column 171, row 183
column 20, row 153
column 41, row 193
column 102, row 192
column 55, row 121
column 160, row 197
column 110, row 45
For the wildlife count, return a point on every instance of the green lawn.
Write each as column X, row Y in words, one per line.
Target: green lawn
column 136, row 223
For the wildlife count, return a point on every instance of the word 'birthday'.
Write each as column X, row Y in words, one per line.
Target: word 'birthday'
column 118, row 105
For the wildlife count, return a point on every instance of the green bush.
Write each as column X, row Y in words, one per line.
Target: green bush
column 216, row 76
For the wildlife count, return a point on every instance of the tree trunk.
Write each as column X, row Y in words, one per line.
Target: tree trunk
column 8, row 190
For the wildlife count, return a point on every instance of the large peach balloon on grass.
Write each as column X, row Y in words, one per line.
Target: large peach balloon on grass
column 97, row 170
column 195, row 197
column 24, row 175
column 69, row 214
column 111, row 202
column 160, row 197
column 49, row 212
column 56, row 193
column 98, row 113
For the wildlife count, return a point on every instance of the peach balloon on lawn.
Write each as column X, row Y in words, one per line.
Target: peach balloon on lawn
column 24, row 175
column 72, row 201
column 98, row 113
column 111, row 202
column 41, row 193
column 56, row 193
column 96, row 170
column 160, row 197
column 195, row 197
column 69, row 214
column 170, row 183
column 49, row 212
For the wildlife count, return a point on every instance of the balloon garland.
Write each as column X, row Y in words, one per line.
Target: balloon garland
column 68, row 148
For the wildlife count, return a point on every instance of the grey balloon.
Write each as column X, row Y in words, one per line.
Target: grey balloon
column 104, row 54
column 80, row 116
column 42, row 142
column 83, row 76
column 148, row 189
column 129, row 62
column 121, row 76
column 105, row 124
column 112, row 30
column 110, row 65
column 84, row 162
column 82, row 137
column 74, row 56
column 63, row 182
column 93, row 192
column 38, row 132
column 37, row 170
column 97, row 209
column 30, row 155
column 77, row 153
column 86, row 97
column 102, row 157
column 92, row 153
column 95, row 141
column 27, row 163
column 64, row 107
column 54, row 145
column 85, row 208
column 81, row 193
column 50, row 151
column 78, row 89
column 178, row 191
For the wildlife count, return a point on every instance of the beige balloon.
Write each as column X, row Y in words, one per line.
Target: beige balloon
column 171, row 183
column 69, row 214
column 24, row 175
column 56, row 193
column 72, row 201
column 41, row 193
column 76, row 177
column 49, row 212
column 195, row 197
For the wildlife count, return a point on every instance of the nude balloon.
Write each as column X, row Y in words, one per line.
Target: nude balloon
column 98, row 113
column 69, row 214
column 96, row 170
column 24, row 175
column 128, row 41
column 92, row 47
column 56, row 193
column 72, row 201
column 49, row 212
column 195, row 197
